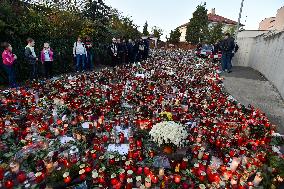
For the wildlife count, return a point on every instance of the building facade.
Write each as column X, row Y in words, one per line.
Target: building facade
column 213, row 19
column 273, row 23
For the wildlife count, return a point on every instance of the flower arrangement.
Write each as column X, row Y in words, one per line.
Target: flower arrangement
column 168, row 132
column 167, row 115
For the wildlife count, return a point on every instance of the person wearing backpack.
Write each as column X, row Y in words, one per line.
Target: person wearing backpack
column 227, row 46
column 236, row 48
column 9, row 60
column 80, row 54
column 46, row 57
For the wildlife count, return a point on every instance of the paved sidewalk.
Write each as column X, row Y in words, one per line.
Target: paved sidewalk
column 250, row 87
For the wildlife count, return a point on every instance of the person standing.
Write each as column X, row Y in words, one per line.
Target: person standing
column 227, row 46
column 90, row 52
column 136, row 50
column 31, row 58
column 113, row 51
column 130, row 49
column 9, row 63
column 80, row 53
column 121, row 51
column 46, row 57
column 141, row 50
column 146, row 48
column 216, row 48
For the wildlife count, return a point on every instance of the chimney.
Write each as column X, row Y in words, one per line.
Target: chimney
column 213, row 11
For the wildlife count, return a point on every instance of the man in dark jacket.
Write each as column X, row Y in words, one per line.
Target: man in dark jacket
column 31, row 58
column 227, row 46
column 113, row 51
column 130, row 49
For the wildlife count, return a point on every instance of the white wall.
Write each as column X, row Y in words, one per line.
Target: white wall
column 263, row 52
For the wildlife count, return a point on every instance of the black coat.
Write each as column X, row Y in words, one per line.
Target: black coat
column 227, row 45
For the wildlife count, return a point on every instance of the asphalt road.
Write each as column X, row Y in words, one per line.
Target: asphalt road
column 250, row 87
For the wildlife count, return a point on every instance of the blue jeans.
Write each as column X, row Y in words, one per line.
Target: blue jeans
column 11, row 75
column 80, row 62
column 90, row 61
column 226, row 61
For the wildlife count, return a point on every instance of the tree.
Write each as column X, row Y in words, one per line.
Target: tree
column 175, row 36
column 231, row 30
column 123, row 26
column 197, row 28
column 157, row 32
column 215, row 33
column 145, row 29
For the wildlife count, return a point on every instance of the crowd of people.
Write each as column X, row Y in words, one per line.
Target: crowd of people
column 227, row 47
column 121, row 52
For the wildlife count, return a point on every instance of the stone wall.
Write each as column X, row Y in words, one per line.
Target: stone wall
column 263, row 52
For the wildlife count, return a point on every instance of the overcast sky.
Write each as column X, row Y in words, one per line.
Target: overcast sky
column 169, row 14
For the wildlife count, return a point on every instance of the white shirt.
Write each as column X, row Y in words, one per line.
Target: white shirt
column 46, row 55
column 79, row 48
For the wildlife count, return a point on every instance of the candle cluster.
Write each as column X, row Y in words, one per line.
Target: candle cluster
column 59, row 133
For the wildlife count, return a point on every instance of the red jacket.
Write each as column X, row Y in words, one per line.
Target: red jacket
column 8, row 58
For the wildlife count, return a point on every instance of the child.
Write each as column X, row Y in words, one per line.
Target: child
column 31, row 58
column 9, row 60
column 46, row 57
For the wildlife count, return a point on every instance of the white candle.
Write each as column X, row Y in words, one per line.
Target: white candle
column 201, row 152
column 257, row 179
column 161, row 173
column 235, row 163
column 234, row 180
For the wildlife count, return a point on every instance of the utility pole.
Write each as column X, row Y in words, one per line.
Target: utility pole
column 239, row 20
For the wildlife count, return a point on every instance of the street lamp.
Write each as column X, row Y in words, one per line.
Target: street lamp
column 239, row 20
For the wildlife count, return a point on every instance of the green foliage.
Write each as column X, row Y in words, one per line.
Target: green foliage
column 231, row 30
column 197, row 29
column 145, row 29
column 123, row 27
column 175, row 36
column 215, row 33
column 157, row 32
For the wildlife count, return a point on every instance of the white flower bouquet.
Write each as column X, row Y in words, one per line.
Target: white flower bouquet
column 169, row 132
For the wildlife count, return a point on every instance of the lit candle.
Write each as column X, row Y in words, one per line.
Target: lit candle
column 114, row 180
column 184, row 163
column 200, row 153
column 129, row 183
column 199, row 139
column 148, row 182
column 161, row 173
column 15, row 167
column 235, row 163
column 56, row 132
column 257, row 179
column 138, row 181
column 49, row 167
column 177, row 179
column 227, row 174
column 122, row 175
column 234, row 180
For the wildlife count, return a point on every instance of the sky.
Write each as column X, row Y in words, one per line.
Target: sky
column 169, row 14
